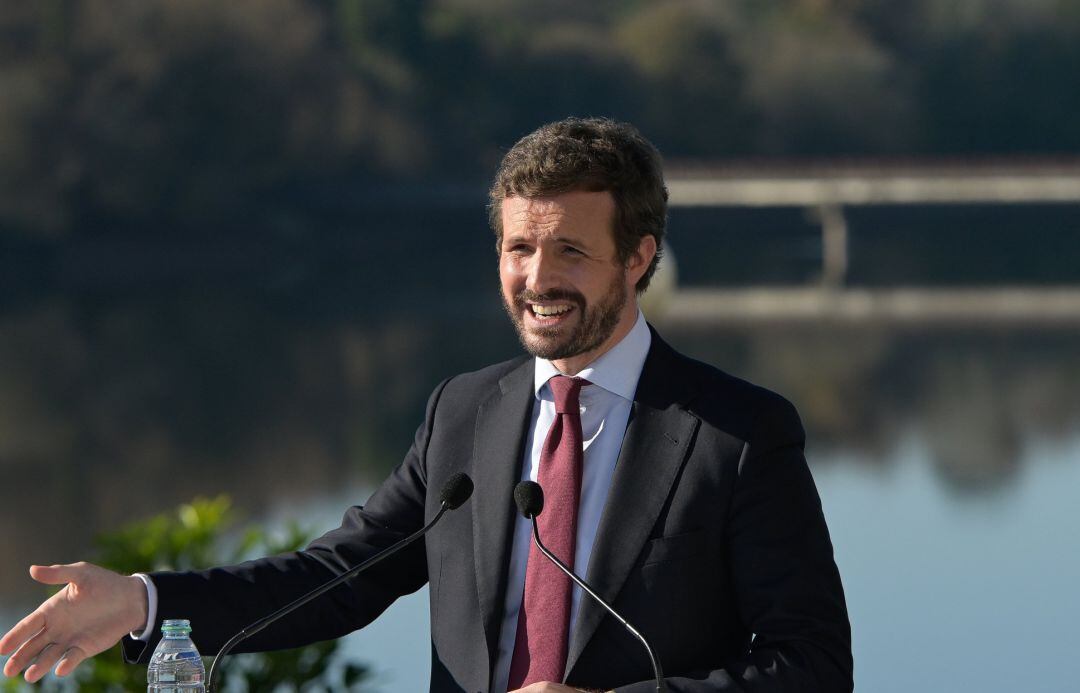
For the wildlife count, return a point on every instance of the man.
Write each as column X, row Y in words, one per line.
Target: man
column 681, row 492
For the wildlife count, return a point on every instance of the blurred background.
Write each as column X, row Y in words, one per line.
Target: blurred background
column 240, row 242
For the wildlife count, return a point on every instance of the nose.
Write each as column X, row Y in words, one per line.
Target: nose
column 542, row 273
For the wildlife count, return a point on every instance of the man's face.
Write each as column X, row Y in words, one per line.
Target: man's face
column 562, row 284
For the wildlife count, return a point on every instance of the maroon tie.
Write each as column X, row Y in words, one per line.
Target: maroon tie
column 541, row 645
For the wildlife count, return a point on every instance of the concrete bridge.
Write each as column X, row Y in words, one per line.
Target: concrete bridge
column 825, row 191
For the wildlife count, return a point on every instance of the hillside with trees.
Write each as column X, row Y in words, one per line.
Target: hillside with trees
column 160, row 117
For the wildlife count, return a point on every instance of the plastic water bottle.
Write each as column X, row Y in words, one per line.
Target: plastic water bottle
column 175, row 666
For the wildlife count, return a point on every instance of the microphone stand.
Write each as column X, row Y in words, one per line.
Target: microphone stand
column 661, row 687
column 317, row 592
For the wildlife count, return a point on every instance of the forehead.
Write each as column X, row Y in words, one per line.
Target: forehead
column 578, row 213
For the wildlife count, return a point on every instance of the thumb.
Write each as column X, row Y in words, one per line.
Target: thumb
column 56, row 574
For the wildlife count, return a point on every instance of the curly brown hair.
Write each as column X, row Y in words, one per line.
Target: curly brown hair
column 593, row 155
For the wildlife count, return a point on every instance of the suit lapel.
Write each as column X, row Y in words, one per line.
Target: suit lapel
column 655, row 445
column 501, row 425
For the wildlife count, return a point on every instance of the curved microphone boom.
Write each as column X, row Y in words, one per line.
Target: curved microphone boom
column 455, row 491
column 529, row 498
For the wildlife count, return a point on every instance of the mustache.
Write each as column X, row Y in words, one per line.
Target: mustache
column 526, row 295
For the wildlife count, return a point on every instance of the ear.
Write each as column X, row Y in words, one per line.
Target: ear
column 638, row 263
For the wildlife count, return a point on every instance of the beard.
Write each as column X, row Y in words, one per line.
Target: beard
column 594, row 326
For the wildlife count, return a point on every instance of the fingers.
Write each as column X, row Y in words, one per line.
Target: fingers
column 71, row 659
column 27, row 654
column 47, row 657
column 57, row 574
column 26, row 628
column 20, row 633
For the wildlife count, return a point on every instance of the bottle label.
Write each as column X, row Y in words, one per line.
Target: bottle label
column 178, row 656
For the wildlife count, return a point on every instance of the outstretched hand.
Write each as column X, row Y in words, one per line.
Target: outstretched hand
column 90, row 614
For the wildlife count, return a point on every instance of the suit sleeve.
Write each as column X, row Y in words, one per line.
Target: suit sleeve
column 221, row 601
column 784, row 577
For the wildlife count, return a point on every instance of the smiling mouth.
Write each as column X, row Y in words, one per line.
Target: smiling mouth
column 548, row 312
column 549, row 309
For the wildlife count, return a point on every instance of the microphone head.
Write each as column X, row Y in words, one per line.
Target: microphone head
column 456, row 490
column 529, row 498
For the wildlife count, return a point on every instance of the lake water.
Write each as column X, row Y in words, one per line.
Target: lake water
column 948, row 461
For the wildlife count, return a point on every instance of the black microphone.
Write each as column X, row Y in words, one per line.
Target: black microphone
column 455, row 491
column 529, row 498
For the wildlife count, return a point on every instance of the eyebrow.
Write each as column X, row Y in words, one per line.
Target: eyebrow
column 513, row 238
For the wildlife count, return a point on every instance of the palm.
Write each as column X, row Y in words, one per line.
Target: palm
column 93, row 610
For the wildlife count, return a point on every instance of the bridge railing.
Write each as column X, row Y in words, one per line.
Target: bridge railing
column 826, row 190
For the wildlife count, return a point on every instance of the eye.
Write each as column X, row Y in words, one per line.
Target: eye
column 518, row 248
column 571, row 250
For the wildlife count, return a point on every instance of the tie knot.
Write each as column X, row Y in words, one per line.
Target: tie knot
column 565, row 390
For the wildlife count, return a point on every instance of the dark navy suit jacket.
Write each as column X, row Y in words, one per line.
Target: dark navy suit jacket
column 712, row 543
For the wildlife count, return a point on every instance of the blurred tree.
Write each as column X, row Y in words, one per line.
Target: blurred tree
column 152, row 117
column 686, row 55
column 819, row 85
column 497, row 71
column 385, row 39
column 1012, row 94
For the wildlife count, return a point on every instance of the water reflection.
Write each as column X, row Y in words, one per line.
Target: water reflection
column 114, row 409
column 974, row 396
column 949, row 593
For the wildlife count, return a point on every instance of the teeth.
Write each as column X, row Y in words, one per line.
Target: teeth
column 550, row 310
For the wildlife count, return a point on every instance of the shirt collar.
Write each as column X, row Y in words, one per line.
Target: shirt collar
column 617, row 370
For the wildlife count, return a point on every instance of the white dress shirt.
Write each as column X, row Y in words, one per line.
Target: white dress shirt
column 605, row 412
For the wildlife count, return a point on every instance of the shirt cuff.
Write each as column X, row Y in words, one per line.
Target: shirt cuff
column 151, row 609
